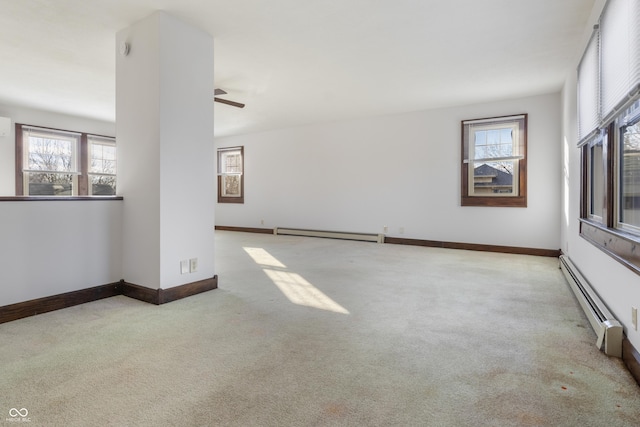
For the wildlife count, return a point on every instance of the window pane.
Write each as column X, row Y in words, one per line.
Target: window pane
column 495, row 179
column 629, row 205
column 103, row 185
column 50, row 184
column 596, row 180
column 51, row 154
column 493, row 143
column 231, row 185
column 232, row 162
column 103, row 158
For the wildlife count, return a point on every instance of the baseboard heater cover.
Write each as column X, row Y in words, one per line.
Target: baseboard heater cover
column 366, row 237
column 607, row 328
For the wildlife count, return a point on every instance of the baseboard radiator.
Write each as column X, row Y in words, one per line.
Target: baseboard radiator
column 365, row 237
column 607, row 328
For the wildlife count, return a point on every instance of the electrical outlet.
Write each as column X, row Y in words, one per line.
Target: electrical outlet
column 385, row 229
column 193, row 265
column 634, row 318
column 184, row 266
column 401, row 230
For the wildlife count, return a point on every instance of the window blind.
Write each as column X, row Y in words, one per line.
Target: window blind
column 620, row 55
column 589, row 89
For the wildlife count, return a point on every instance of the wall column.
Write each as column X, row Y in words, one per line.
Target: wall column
column 164, row 132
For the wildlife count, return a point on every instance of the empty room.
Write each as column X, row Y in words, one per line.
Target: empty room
column 288, row 213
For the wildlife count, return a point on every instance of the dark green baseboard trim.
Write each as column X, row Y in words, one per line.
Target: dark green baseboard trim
column 24, row 309
column 245, row 229
column 474, row 247
column 631, row 359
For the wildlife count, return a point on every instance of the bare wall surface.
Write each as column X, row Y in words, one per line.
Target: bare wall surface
column 400, row 171
column 52, row 247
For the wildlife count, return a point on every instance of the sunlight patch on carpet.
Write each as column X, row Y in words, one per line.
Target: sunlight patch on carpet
column 295, row 287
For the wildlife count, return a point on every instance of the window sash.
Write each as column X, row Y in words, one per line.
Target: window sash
column 96, row 159
column 480, row 190
column 230, row 161
column 73, row 139
column 628, row 171
column 595, row 179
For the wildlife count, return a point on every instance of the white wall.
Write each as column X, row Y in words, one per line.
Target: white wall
column 39, row 118
column 618, row 286
column 48, row 248
column 402, row 171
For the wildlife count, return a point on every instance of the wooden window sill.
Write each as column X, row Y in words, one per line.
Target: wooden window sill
column 57, row 198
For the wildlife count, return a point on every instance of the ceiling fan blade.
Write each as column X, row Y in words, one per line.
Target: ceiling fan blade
column 232, row 103
column 219, row 92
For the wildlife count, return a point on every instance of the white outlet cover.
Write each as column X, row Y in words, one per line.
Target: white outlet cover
column 184, row 267
column 193, row 265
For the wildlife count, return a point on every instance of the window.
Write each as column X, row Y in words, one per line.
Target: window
column 494, row 161
column 102, row 166
column 230, row 175
column 609, row 133
column 52, row 162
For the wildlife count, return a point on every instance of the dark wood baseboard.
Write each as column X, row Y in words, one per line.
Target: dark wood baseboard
column 142, row 293
column 474, row 247
column 431, row 243
column 56, row 302
column 187, row 290
column 631, row 359
column 245, row 229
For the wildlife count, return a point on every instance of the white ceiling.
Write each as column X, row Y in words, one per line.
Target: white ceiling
column 297, row 62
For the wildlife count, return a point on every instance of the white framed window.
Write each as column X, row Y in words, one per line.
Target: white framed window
column 494, row 156
column 231, row 175
column 102, row 166
column 50, row 162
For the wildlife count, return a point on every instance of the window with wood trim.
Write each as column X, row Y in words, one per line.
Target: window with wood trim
column 609, row 133
column 54, row 162
column 494, row 159
column 231, row 175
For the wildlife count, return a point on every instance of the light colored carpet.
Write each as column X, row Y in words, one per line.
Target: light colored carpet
column 376, row 335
